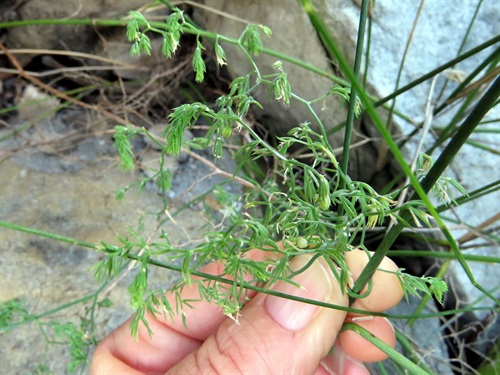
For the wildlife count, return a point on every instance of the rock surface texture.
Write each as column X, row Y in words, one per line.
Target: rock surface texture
column 297, row 41
column 72, row 193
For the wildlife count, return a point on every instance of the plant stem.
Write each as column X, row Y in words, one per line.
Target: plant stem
column 66, row 21
column 493, row 57
column 400, row 71
column 281, row 56
column 352, row 98
column 333, row 51
column 442, row 255
column 445, row 133
column 42, row 233
column 215, row 278
column 33, row 318
column 483, row 106
column 438, row 70
column 461, row 136
column 408, row 365
column 464, row 39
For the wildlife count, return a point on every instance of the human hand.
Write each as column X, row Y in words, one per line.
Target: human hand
column 274, row 335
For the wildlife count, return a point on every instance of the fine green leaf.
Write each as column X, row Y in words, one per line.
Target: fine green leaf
column 198, row 63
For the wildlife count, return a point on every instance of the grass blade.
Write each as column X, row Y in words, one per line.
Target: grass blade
column 400, row 359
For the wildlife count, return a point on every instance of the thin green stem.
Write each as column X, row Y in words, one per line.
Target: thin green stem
column 333, row 51
column 353, row 96
column 42, row 233
column 279, row 55
column 438, row 70
column 250, row 60
column 482, row 107
column 493, row 57
column 448, row 130
column 207, row 276
column 483, row 147
column 462, row 135
column 401, row 65
column 169, row 266
column 261, row 141
column 368, row 48
column 33, row 318
column 408, row 365
column 409, row 348
column 70, row 21
column 321, row 127
column 452, row 125
column 491, row 121
column 462, row 44
column 441, row 255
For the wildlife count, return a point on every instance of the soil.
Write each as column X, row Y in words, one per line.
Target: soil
column 72, row 193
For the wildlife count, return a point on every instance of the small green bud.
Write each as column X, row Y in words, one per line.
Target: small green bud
column 198, row 63
column 220, row 54
column 226, row 130
column 324, row 204
column 302, row 243
column 266, row 30
column 135, row 50
column 324, row 193
column 145, row 44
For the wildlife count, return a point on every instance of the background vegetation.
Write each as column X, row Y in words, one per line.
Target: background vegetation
column 297, row 189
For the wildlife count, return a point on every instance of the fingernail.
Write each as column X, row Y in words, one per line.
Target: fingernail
column 353, row 366
column 339, row 363
column 316, row 284
column 334, row 363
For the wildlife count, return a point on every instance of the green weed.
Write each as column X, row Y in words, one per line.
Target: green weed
column 314, row 208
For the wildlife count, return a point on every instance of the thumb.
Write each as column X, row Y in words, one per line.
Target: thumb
column 276, row 335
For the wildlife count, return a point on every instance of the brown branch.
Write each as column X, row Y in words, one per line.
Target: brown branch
column 475, row 232
column 112, row 116
column 56, row 92
column 73, row 54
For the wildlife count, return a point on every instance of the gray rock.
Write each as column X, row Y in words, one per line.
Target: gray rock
column 61, row 37
column 425, row 337
column 436, row 40
column 80, row 204
column 290, row 27
column 193, row 179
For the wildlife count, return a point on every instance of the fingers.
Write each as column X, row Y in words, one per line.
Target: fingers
column 171, row 341
column 205, row 317
column 386, row 289
column 340, row 363
column 357, row 347
column 386, row 292
column 276, row 335
column 121, row 353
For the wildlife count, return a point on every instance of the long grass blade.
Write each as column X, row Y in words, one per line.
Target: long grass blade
column 438, row 70
column 400, row 359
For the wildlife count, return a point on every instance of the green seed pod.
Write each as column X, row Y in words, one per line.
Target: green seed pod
column 324, row 193
column 301, row 243
column 226, row 130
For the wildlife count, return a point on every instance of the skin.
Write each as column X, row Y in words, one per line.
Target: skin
column 272, row 336
column 386, row 293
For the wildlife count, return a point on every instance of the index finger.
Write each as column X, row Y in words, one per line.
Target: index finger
column 386, row 289
column 172, row 339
